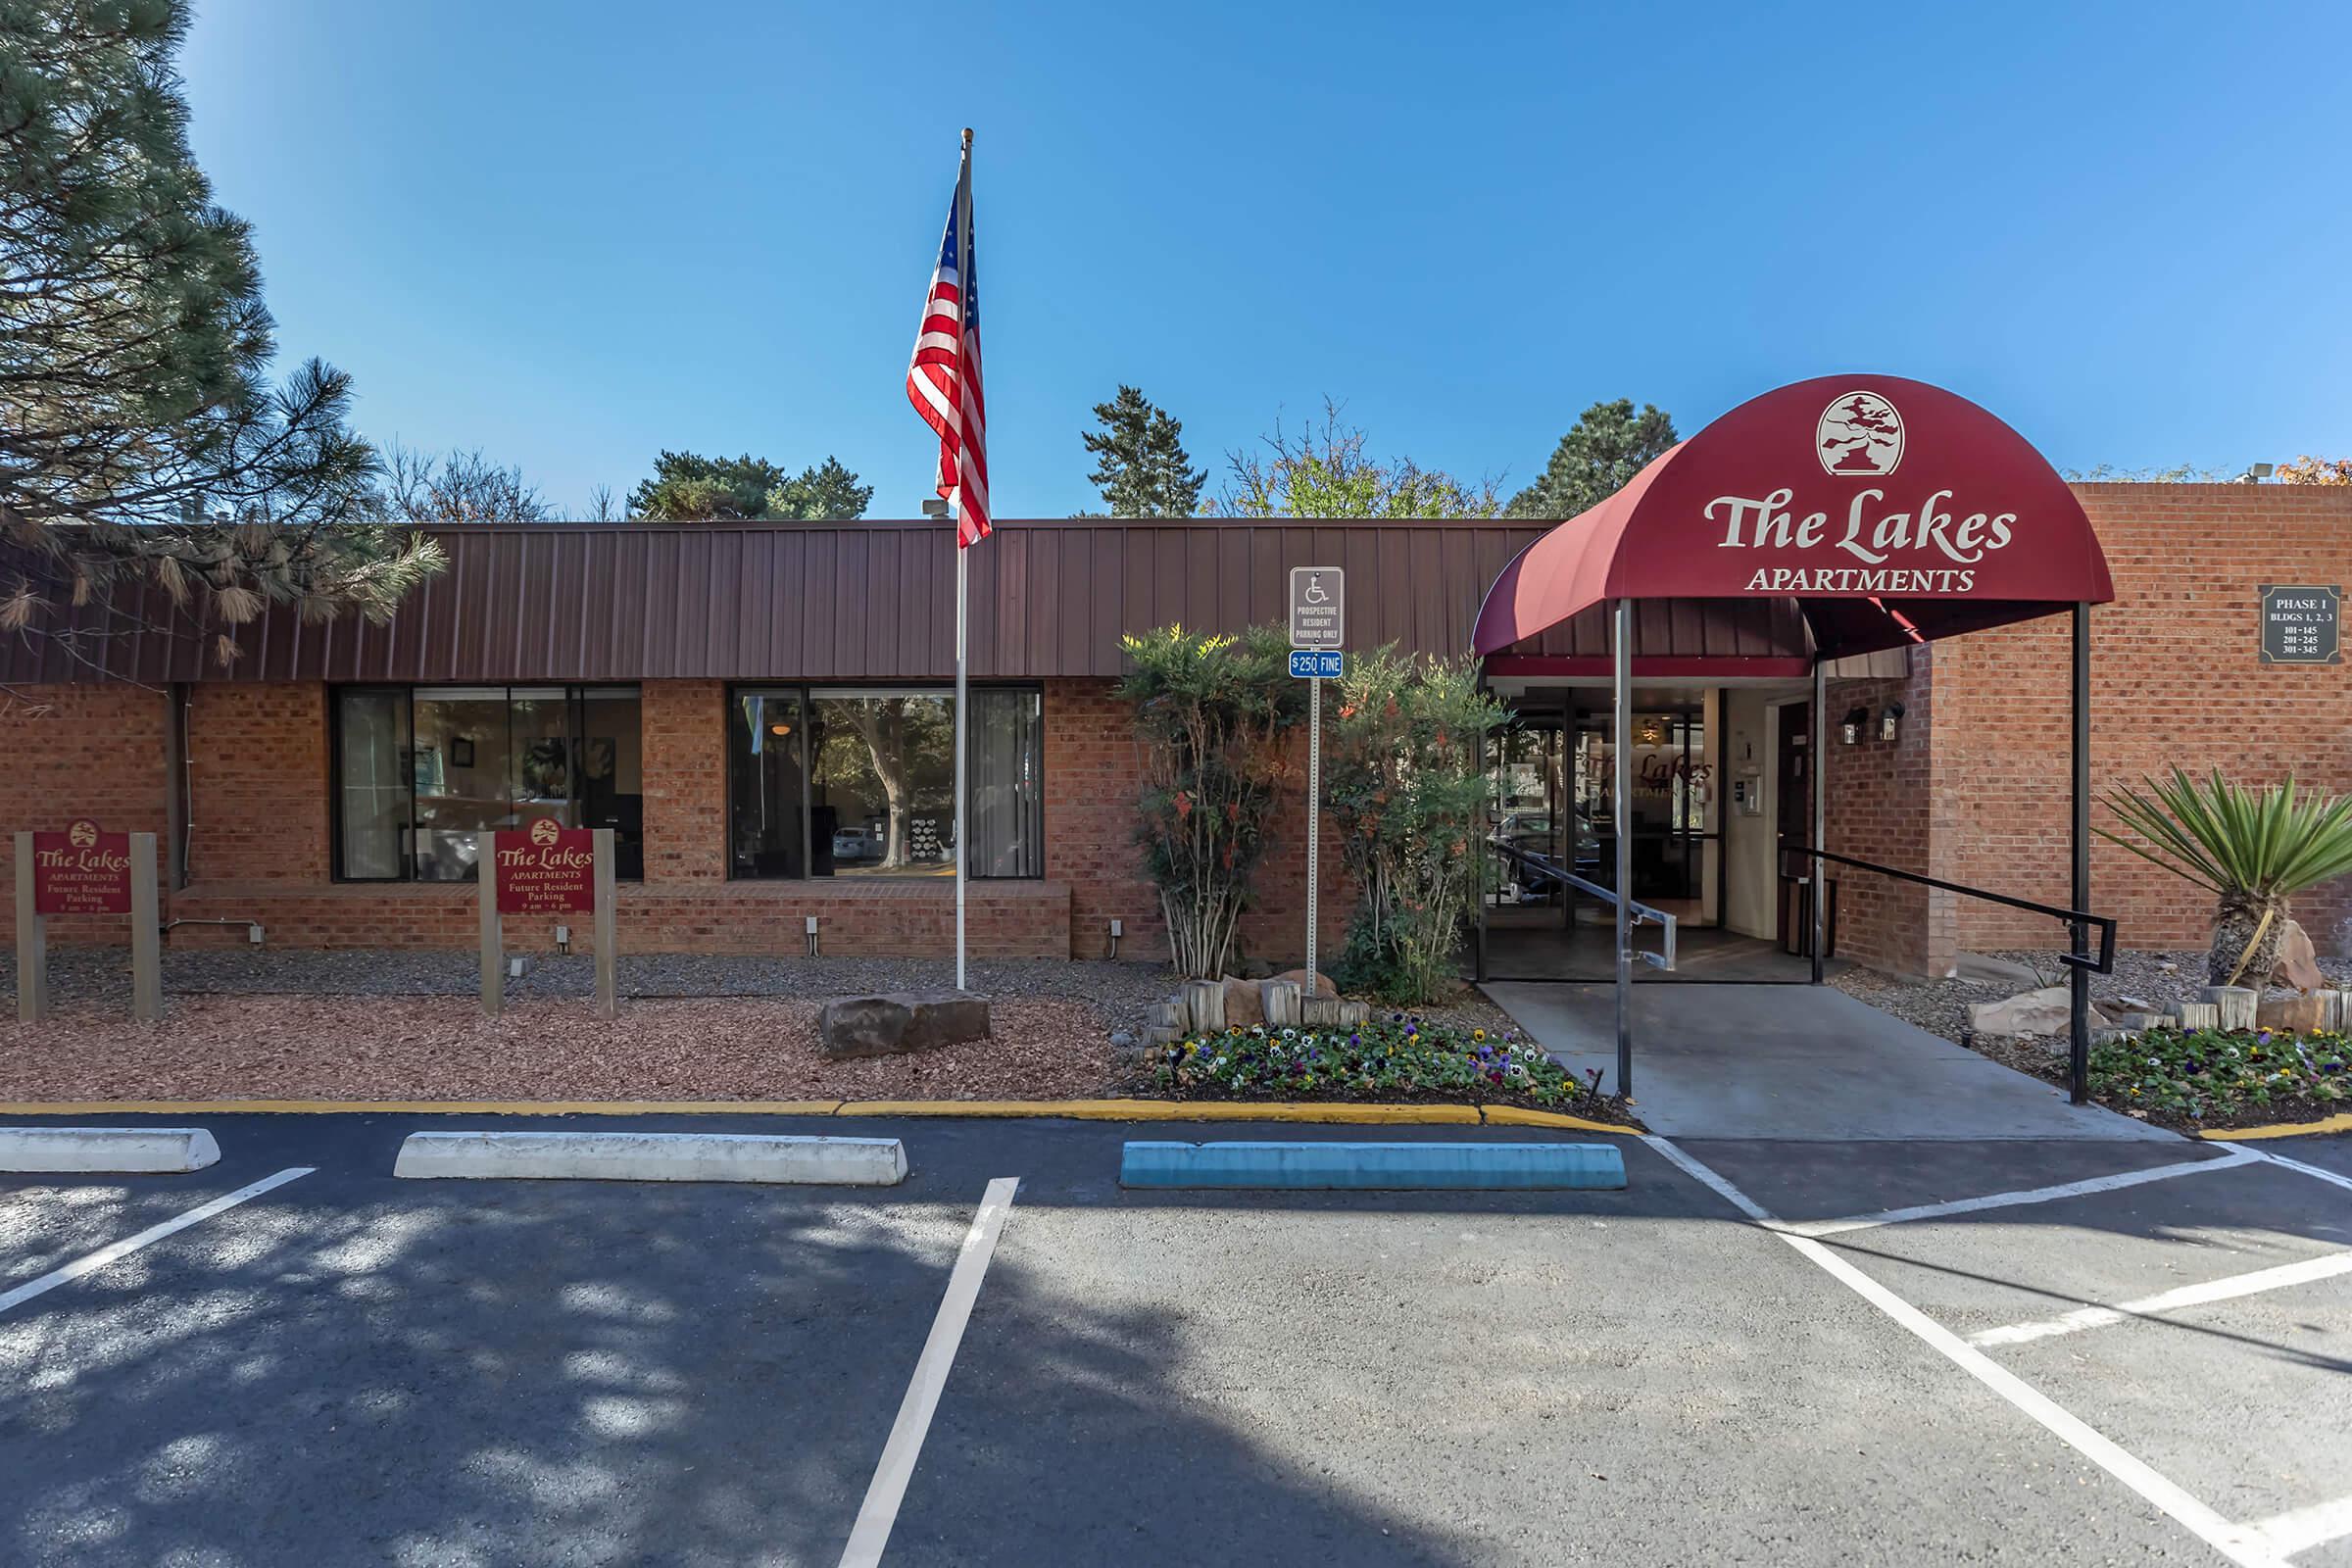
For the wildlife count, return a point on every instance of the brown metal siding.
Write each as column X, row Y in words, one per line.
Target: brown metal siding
column 874, row 601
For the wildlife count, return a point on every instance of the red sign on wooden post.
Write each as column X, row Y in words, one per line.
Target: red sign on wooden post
column 546, row 870
column 81, row 871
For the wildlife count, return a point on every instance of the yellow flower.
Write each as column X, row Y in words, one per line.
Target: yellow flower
column 1478, row 1034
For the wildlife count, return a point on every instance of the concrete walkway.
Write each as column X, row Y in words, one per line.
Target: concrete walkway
column 1796, row 1062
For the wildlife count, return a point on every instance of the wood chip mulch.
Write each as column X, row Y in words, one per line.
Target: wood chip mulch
column 433, row 1048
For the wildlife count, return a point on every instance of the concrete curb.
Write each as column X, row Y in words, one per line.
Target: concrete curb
column 113, row 1150
column 654, row 1157
column 1332, row 1112
column 1374, row 1167
column 2339, row 1123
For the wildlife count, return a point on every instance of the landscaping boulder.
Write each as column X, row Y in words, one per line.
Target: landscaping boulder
column 2236, row 1004
column 2196, row 1016
column 1280, row 999
column 2046, row 1011
column 1322, row 980
column 2297, row 1015
column 1241, row 1007
column 899, row 1022
column 2298, row 965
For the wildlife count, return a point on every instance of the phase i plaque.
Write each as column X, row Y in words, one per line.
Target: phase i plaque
column 2298, row 624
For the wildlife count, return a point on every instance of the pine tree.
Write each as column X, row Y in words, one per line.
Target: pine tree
column 135, row 414
column 1142, row 469
column 689, row 488
column 1607, row 446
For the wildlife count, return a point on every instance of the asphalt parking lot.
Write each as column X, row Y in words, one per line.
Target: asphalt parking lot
column 349, row 1369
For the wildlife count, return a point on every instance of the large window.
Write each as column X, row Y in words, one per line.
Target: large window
column 421, row 771
column 832, row 781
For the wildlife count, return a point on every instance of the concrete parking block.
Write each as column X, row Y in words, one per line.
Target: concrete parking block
column 1374, row 1167
column 628, row 1157
column 108, row 1150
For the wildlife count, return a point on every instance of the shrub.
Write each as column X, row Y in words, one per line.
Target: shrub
column 1400, row 1057
column 1212, row 712
column 1405, row 783
column 2252, row 850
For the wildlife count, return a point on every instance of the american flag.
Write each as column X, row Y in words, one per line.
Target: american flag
column 944, row 379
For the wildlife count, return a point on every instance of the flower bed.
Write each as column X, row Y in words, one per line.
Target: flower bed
column 2207, row 1078
column 1402, row 1057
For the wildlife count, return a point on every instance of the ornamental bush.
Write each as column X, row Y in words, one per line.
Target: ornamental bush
column 1211, row 716
column 1403, row 1057
column 2207, row 1075
column 1405, row 781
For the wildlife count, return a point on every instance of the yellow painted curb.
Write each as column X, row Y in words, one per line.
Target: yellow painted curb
column 1169, row 1110
column 2339, row 1123
column 1336, row 1112
column 1520, row 1116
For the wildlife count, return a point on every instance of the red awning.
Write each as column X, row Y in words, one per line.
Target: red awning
column 1889, row 511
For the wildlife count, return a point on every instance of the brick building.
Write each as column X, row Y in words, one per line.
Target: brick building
column 760, row 710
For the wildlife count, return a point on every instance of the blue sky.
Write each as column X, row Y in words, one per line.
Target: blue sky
column 574, row 235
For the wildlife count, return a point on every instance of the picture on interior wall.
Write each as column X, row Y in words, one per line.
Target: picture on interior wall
column 460, row 751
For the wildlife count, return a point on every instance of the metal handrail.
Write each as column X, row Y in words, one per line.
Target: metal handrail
column 1640, row 914
column 2074, row 920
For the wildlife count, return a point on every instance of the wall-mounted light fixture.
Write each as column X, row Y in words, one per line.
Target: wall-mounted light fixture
column 1888, row 717
column 1850, row 727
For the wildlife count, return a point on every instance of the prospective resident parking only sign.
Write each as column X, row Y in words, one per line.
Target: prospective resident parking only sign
column 1318, row 610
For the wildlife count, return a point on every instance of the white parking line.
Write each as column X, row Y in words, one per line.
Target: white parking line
column 154, row 1233
column 888, row 1489
column 2308, row 1171
column 2035, row 1195
column 2301, row 1529
column 2240, row 1544
column 2223, row 1289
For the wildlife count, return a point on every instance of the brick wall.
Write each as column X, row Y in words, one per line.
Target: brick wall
column 68, row 752
column 2176, row 679
column 1883, row 807
column 1093, row 777
column 259, row 787
column 685, row 737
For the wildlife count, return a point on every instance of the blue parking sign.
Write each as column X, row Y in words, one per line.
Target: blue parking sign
column 1316, row 664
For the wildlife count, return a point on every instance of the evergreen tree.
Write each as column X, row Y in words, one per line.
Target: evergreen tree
column 137, row 415
column 690, row 488
column 1608, row 444
column 1142, row 468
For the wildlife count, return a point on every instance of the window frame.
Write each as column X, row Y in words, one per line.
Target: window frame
column 806, row 692
column 576, row 694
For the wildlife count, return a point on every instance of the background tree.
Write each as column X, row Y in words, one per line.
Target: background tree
column 1325, row 472
column 690, row 488
column 459, row 487
column 2316, row 471
column 135, row 411
column 1608, row 444
column 1142, row 468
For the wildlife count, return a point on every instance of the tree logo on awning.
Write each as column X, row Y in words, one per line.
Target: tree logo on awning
column 1859, row 433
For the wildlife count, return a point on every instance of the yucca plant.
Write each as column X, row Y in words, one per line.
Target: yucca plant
column 2253, row 850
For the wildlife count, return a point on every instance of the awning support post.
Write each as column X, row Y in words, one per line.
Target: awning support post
column 1817, row 870
column 2078, row 1072
column 1622, row 818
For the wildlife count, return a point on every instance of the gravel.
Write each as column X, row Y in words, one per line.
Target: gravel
column 1940, row 1007
column 1117, row 993
column 441, row 1047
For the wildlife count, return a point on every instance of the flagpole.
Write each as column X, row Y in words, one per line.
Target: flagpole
column 964, row 277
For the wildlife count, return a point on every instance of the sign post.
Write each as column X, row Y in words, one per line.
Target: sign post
column 86, row 871
column 2299, row 624
column 1318, row 632
column 547, row 868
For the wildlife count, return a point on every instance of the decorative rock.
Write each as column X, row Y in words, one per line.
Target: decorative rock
column 1280, row 998
column 899, row 1022
column 1322, row 1012
column 1354, row 1014
column 2046, row 1011
column 1241, row 1005
column 2196, row 1016
column 2298, row 1014
column 1298, row 977
column 2137, row 1023
column 2236, row 1004
column 1122, row 1039
column 1160, row 1034
column 2298, row 965
column 1205, row 1004
column 1165, row 1016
